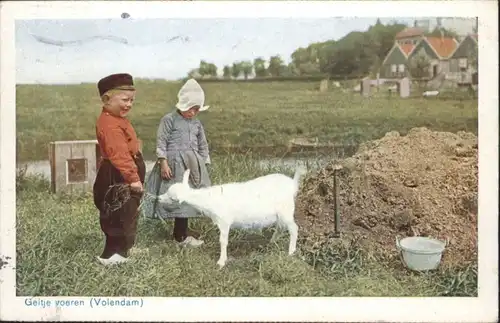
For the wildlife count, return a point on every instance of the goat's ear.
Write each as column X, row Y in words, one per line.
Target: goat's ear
column 185, row 177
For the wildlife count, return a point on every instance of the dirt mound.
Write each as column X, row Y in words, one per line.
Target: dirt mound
column 424, row 183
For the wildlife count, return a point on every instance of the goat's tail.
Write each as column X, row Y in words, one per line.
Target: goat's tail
column 299, row 171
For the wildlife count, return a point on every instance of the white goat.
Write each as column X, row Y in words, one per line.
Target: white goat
column 260, row 202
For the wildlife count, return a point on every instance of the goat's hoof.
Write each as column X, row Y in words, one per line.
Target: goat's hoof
column 221, row 264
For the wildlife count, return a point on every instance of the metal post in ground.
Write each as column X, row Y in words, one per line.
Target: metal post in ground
column 336, row 191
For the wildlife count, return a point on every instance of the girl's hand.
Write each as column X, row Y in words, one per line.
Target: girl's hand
column 166, row 173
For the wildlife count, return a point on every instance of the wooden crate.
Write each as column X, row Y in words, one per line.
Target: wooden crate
column 73, row 165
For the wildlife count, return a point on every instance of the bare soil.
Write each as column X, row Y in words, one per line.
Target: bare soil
column 424, row 184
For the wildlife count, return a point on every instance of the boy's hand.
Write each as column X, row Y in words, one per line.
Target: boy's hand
column 137, row 187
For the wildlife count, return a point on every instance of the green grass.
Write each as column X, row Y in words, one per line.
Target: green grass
column 58, row 238
column 246, row 115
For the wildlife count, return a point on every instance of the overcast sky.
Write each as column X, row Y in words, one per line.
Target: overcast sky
column 148, row 54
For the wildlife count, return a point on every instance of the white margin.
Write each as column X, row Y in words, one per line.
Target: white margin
column 481, row 309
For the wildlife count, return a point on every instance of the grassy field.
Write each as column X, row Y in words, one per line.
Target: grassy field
column 58, row 238
column 262, row 117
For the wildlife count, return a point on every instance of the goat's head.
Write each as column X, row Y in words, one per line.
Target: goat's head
column 178, row 191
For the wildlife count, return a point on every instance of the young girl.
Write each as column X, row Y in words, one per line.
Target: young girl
column 181, row 144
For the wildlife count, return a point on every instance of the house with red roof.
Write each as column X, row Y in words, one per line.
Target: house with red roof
column 411, row 43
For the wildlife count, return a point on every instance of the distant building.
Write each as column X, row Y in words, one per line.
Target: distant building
column 449, row 58
column 463, row 62
column 412, row 41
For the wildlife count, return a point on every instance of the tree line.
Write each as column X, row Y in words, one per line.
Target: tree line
column 357, row 53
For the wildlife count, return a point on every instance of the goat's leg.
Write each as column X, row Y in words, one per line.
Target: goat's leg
column 285, row 216
column 293, row 230
column 223, row 240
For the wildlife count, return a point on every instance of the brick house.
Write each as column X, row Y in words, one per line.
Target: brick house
column 411, row 42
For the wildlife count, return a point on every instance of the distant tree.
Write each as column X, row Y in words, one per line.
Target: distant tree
column 212, row 70
column 382, row 37
column 307, row 61
column 315, row 52
column 246, row 68
column 203, row 69
column 207, row 69
column 293, row 70
column 308, row 68
column 300, row 56
column 343, row 57
column 226, row 72
column 358, row 53
column 276, row 66
column 259, row 66
column 236, row 69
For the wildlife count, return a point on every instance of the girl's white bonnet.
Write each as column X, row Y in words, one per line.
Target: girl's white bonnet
column 190, row 95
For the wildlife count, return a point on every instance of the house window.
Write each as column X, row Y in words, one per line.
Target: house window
column 393, row 68
column 401, row 68
column 462, row 63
